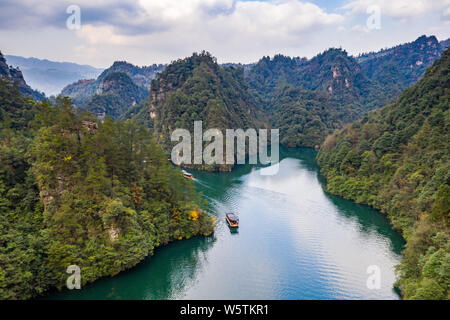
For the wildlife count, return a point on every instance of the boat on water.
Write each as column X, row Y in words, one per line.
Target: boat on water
column 187, row 175
column 232, row 219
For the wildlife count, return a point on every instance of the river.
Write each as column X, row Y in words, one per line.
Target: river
column 295, row 241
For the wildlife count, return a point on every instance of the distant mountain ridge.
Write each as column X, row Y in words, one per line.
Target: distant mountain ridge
column 50, row 76
column 118, row 92
column 83, row 90
column 116, row 89
column 403, row 65
column 445, row 43
column 15, row 76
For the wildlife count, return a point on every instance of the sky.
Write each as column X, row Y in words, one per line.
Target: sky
column 144, row 32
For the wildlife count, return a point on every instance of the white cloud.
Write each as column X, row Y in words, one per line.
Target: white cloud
column 102, row 35
column 285, row 18
column 400, row 9
column 149, row 31
column 217, row 25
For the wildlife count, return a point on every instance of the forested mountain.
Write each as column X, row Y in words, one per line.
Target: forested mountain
column 197, row 88
column 74, row 190
column 397, row 159
column 401, row 66
column 15, row 76
column 286, row 87
column 83, row 90
column 346, row 87
column 50, row 76
column 117, row 93
column 142, row 76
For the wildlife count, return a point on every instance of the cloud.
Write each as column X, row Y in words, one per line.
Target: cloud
column 284, row 18
column 136, row 17
column 125, row 16
column 148, row 31
column 198, row 24
column 101, row 35
column 400, row 9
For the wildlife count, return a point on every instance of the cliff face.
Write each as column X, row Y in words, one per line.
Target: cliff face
column 400, row 67
column 16, row 76
column 116, row 94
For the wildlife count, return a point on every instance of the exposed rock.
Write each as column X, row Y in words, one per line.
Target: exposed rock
column 114, row 232
column 15, row 75
column 91, row 126
column 46, row 198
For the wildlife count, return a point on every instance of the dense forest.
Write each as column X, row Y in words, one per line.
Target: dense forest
column 397, row 159
column 74, row 190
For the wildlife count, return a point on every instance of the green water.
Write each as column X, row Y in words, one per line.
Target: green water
column 294, row 242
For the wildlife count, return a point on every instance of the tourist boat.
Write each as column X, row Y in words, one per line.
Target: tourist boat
column 187, row 175
column 232, row 219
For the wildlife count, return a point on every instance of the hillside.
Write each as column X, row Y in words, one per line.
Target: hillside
column 83, row 90
column 116, row 94
column 74, row 190
column 285, row 87
column 346, row 87
column 397, row 160
column 15, row 76
column 197, row 88
column 50, row 76
column 399, row 67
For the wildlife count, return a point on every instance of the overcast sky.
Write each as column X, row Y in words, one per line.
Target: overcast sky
column 144, row 32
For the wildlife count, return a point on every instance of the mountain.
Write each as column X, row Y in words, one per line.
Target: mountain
column 116, row 94
column 15, row 76
column 307, row 99
column 347, row 87
column 83, row 90
column 399, row 67
column 142, row 76
column 397, row 159
column 49, row 76
column 197, row 88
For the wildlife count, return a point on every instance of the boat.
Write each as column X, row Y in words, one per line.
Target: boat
column 232, row 219
column 187, row 175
